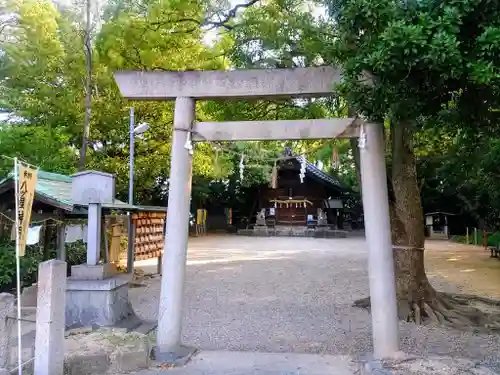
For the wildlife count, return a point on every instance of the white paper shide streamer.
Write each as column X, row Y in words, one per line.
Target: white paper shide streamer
column 362, row 137
column 242, row 167
column 303, row 164
column 189, row 145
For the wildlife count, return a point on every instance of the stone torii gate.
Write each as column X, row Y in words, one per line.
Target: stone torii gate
column 185, row 87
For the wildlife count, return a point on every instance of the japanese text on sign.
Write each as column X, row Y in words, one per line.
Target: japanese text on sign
column 27, row 184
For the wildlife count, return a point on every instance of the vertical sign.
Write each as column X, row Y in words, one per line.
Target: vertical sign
column 27, row 184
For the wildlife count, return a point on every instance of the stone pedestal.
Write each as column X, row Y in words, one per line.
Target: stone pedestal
column 97, row 297
column 260, row 230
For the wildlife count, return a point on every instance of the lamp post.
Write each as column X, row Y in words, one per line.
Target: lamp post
column 133, row 131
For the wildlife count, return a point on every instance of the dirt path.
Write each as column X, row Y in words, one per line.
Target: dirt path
column 469, row 267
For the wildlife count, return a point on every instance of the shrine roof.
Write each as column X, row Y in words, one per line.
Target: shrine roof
column 318, row 173
column 54, row 189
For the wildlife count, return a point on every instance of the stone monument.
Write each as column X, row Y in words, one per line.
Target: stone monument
column 322, row 219
column 96, row 295
column 260, row 228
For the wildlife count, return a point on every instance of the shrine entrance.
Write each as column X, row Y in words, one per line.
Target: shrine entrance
column 185, row 88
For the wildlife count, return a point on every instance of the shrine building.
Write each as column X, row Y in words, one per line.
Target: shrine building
column 316, row 199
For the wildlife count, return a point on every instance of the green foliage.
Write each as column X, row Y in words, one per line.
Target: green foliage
column 425, row 58
column 29, row 266
column 433, row 63
column 493, row 239
column 45, row 147
column 76, row 254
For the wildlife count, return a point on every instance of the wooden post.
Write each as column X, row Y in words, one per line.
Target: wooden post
column 104, row 239
column 47, row 234
column 61, row 234
column 158, row 266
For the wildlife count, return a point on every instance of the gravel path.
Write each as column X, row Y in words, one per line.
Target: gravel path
column 293, row 295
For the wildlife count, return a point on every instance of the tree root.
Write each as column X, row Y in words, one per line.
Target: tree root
column 450, row 310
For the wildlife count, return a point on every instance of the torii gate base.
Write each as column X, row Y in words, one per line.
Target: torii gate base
column 185, row 88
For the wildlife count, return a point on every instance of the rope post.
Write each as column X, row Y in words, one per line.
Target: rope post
column 158, row 266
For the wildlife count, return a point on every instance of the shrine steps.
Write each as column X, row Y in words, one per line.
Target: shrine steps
column 293, row 231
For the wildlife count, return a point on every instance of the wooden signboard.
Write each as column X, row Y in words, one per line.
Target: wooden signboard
column 149, row 234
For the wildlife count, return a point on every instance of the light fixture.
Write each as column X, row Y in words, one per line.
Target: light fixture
column 141, row 128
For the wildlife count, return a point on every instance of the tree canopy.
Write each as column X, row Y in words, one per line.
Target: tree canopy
column 433, row 65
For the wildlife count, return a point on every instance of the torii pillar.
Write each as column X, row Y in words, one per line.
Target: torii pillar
column 188, row 86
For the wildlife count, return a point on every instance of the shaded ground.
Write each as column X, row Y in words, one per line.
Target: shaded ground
column 468, row 267
column 295, row 295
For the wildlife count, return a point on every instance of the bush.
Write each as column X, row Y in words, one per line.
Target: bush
column 493, row 239
column 29, row 266
column 76, row 253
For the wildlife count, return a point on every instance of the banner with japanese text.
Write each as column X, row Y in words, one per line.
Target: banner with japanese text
column 27, row 183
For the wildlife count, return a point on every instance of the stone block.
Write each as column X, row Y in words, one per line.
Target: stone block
column 6, row 309
column 49, row 339
column 97, row 302
column 86, row 364
column 106, row 351
column 89, row 272
column 133, row 354
column 92, row 187
column 29, row 296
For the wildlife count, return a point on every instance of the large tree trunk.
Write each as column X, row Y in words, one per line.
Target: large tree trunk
column 417, row 300
column 407, row 225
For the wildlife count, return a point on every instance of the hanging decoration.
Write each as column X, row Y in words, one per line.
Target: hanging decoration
column 242, row 167
column 362, row 137
column 303, row 164
column 274, row 177
column 189, row 145
column 278, row 203
column 335, row 156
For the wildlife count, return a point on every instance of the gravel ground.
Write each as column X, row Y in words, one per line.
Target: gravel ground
column 293, row 295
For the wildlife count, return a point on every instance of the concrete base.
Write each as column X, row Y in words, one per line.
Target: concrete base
column 175, row 358
column 297, row 231
column 99, row 303
column 245, row 363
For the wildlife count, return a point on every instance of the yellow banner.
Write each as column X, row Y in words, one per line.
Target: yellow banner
column 27, row 184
